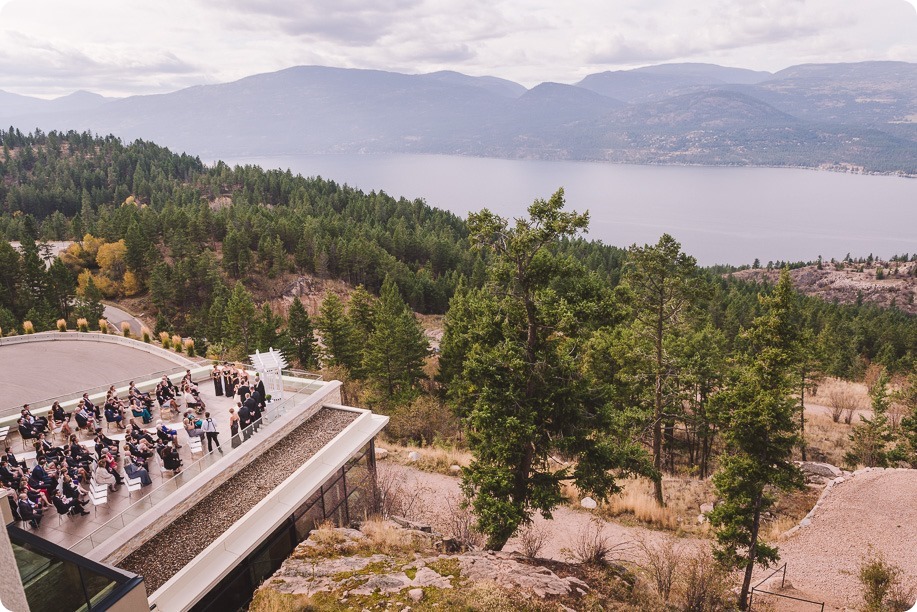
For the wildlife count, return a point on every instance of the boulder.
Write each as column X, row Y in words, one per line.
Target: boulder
column 825, row 470
column 588, row 503
column 381, row 453
column 413, row 456
column 455, row 468
column 705, row 508
column 415, row 594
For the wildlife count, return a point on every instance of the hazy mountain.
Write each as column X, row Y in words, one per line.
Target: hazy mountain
column 665, row 80
column 837, row 115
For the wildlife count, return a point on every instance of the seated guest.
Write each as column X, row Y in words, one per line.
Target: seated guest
column 140, row 411
column 68, row 505
column 29, row 511
column 40, row 474
column 193, row 426
column 191, row 400
column 61, row 418
column 135, row 432
column 85, row 418
column 134, row 467
column 39, row 424
column 72, row 488
column 165, row 434
column 26, row 431
column 87, row 405
column 170, row 459
column 103, row 476
column 9, row 475
column 47, row 448
column 9, row 456
column 105, row 445
column 114, row 414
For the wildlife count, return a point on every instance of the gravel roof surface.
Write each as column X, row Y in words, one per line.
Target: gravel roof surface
column 176, row 545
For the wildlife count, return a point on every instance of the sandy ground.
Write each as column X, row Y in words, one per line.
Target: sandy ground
column 876, row 509
column 434, row 495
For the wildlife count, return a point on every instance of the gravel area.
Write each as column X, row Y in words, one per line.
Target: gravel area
column 876, row 509
column 176, row 545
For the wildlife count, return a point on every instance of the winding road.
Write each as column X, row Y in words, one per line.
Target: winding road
column 116, row 316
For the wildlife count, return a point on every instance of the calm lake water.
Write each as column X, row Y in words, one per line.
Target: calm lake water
column 720, row 215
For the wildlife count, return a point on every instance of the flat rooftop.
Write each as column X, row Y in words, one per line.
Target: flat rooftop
column 37, row 370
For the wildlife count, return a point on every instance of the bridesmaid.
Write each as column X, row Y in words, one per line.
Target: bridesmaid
column 227, row 380
column 217, row 377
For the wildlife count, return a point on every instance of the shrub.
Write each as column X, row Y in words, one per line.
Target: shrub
column 704, row 586
column 82, row 325
column 62, row 325
column 165, row 340
column 591, row 546
column 177, row 343
column 882, row 587
column 189, row 348
column 532, row 538
column 125, row 329
column 422, row 421
column 145, row 334
column 103, row 326
column 27, row 327
column 661, row 560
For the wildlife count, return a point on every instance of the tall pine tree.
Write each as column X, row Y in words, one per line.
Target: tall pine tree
column 302, row 335
column 757, row 413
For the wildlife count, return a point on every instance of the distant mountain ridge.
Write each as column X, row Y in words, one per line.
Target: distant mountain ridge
column 859, row 116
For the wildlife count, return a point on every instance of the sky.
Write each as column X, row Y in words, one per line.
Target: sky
column 50, row 48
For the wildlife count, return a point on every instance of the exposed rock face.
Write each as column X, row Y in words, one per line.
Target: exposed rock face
column 507, row 571
column 354, row 576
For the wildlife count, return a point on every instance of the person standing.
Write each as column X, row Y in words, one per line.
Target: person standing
column 210, row 428
column 234, row 428
column 217, row 377
column 259, row 387
column 245, row 421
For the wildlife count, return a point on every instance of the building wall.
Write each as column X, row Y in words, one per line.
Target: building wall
column 12, row 594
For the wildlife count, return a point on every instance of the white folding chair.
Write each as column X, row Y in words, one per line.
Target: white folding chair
column 133, row 484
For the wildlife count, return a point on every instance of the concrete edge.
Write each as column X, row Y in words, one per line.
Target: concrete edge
column 194, row 580
column 54, row 336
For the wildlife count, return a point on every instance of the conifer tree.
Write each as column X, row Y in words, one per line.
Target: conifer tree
column 302, row 335
column 394, row 354
column 240, row 326
column 757, row 413
column 870, row 438
column 521, row 394
column 338, row 334
column 664, row 284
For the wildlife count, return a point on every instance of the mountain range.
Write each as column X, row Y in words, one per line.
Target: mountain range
column 860, row 117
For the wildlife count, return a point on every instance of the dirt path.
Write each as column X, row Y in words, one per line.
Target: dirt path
column 434, row 494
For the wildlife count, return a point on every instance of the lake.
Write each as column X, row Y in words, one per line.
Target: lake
column 720, row 215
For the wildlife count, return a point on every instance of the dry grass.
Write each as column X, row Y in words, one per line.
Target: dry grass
column 828, row 438
column 269, row 600
column 382, row 537
column 437, row 459
column 842, row 397
column 683, row 496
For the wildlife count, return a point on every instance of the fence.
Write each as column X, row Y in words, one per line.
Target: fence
column 782, row 569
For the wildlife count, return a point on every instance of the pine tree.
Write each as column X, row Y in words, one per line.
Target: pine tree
column 240, row 326
column 338, row 334
column 267, row 329
column 521, row 394
column 870, row 438
column 89, row 306
column 665, row 284
column 362, row 311
column 394, row 354
column 302, row 335
column 757, row 413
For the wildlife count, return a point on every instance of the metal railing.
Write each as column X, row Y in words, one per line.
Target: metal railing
column 756, row 589
column 159, row 494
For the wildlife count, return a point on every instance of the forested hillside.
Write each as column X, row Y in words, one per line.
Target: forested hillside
column 191, row 233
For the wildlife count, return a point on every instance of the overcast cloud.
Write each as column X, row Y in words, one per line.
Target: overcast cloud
column 53, row 47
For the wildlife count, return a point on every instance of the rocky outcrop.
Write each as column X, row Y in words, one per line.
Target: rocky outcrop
column 350, row 578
